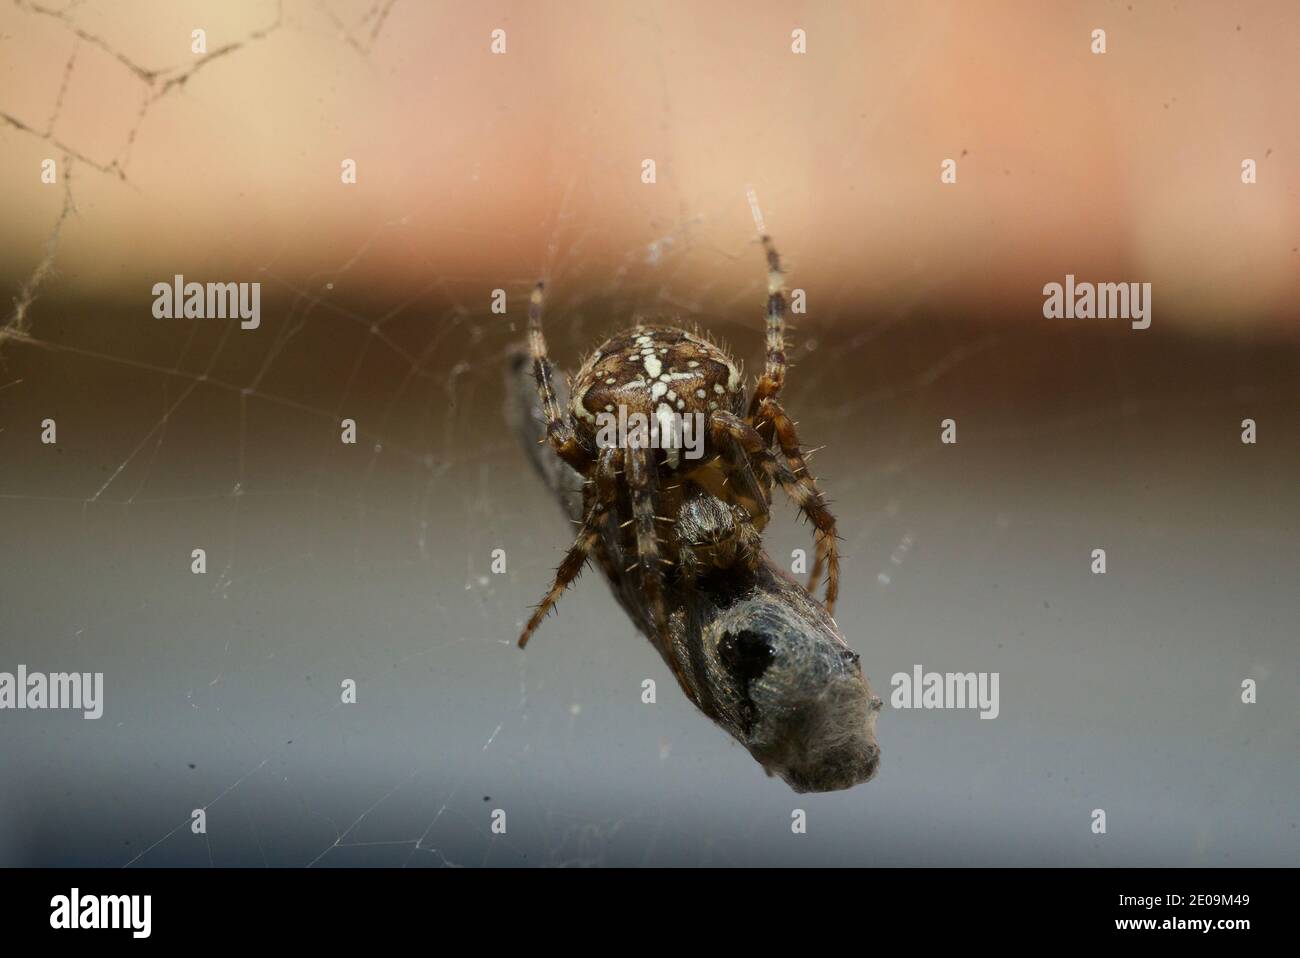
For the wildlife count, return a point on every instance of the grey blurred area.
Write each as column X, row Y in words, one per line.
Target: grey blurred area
column 326, row 562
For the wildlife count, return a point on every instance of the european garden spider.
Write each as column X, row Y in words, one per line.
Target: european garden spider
column 681, row 520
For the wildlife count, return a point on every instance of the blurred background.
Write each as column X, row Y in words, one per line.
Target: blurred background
column 478, row 171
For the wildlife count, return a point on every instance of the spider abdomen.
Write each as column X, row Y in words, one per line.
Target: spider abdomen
column 655, row 371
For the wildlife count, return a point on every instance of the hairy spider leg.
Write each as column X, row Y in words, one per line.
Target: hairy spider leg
column 773, row 378
column 604, row 499
column 642, row 480
column 559, row 429
column 764, row 409
column 788, row 439
column 803, row 490
column 732, row 433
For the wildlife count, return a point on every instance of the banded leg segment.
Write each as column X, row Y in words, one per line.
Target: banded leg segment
column 773, row 378
column 815, row 507
column 641, row 472
column 639, row 468
column 558, row 428
column 801, row 488
column 810, row 498
column 572, row 564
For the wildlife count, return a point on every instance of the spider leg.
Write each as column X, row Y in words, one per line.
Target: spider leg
column 773, row 378
column 819, row 566
column 639, row 467
column 813, row 505
column 576, row 557
column 642, row 475
column 559, row 430
column 803, row 490
column 733, row 433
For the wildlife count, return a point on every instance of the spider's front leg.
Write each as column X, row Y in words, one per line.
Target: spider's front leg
column 805, row 493
column 605, row 498
column 559, row 429
column 773, row 378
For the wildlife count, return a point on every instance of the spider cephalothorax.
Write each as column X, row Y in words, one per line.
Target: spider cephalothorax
column 679, row 514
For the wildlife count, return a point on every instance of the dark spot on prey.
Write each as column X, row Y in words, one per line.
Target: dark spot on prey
column 746, row 656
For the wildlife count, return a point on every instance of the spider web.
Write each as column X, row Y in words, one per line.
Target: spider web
column 372, row 563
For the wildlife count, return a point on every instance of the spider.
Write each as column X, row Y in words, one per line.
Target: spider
column 680, row 519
